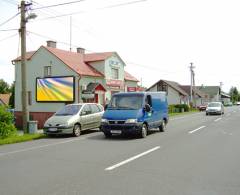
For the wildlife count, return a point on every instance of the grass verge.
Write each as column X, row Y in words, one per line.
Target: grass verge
column 21, row 138
column 183, row 113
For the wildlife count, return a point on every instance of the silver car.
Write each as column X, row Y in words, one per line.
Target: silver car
column 74, row 118
column 215, row 108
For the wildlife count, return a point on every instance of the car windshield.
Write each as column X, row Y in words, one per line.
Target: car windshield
column 68, row 110
column 128, row 102
column 214, row 105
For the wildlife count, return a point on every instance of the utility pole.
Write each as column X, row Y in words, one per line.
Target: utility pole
column 22, row 30
column 192, row 82
column 25, row 111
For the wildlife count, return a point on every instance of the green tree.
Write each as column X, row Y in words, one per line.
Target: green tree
column 12, row 97
column 234, row 94
column 4, row 87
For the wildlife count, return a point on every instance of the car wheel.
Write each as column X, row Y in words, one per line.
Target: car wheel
column 107, row 134
column 144, row 131
column 206, row 113
column 162, row 127
column 77, row 130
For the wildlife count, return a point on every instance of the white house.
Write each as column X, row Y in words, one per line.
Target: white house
column 175, row 94
column 96, row 76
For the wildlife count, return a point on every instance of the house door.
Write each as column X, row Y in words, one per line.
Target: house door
column 96, row 98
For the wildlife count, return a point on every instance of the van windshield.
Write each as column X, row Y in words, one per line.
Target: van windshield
column 68, row 110
column 128, row 102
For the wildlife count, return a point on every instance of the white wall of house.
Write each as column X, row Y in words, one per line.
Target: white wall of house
column 173, row 96
column 130, row 84
column 35, row 68
column 153, row 88
column 114, row 62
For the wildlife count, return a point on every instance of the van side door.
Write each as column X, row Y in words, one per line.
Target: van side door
column 149, row 115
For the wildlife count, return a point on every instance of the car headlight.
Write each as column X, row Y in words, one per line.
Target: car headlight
column 131, row 121
column 104, row 120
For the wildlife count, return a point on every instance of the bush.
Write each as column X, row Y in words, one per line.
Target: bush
column 6, row 123
column 177, row 108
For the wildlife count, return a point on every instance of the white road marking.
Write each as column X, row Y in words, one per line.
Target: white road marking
column 42, row 146
column 218, row 119
column 196, row 129
column 173, row 119
column 131, row 159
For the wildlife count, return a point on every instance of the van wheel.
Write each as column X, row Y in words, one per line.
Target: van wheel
column 162, row 127
column 107, row 135
column 76, row 130
column 144, row 131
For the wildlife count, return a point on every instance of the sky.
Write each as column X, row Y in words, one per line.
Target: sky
column 157, row 39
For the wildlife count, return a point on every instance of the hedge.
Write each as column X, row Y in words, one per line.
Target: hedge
column 178, row 108
column 7, row 127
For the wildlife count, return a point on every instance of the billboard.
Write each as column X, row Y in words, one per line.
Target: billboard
column 55, row 89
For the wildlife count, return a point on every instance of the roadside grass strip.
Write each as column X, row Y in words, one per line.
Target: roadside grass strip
column 21, row 138
column 193, row 131
column 132, row 159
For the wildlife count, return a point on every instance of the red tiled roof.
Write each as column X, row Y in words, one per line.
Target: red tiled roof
column 79, row 62
column 74, row 61
column 93, row 57
column 129, row 77
column 5, row 98
column 28, row 56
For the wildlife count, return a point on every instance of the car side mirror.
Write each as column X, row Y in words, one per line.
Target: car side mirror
column 147, row 108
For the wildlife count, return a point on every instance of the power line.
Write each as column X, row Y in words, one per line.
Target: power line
column 60, row 4
column 9, row 19
column 9, row 37
column 11, row 2
column 101, row 8
column 9, row 29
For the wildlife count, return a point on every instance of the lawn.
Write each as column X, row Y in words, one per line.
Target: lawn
column 21, row 138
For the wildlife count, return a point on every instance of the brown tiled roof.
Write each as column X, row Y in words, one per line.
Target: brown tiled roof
column 93, row 57
column 176, row 85
column 5, row 98
column 79, row 62
column 129, row 77
column 75, row 61
column 187, row 88
column 28, row 56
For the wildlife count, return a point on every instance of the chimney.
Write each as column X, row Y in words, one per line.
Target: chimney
column 80, row 50
column 52, row 44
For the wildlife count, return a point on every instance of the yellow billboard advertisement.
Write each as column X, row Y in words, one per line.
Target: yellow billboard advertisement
column 55, row 89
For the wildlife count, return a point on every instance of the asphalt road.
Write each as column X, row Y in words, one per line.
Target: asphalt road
column 197, row 155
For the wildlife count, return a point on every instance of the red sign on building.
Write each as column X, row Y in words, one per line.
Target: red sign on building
column 131, row 89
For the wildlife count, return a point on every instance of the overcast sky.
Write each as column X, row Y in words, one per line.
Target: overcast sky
column 157, row 39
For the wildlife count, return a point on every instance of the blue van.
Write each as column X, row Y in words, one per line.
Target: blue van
column 135, row 113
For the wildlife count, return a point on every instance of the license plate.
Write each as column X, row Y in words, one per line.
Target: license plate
column 116, row 131
column 52, row 129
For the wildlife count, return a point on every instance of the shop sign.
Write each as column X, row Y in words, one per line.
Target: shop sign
column 131, row 89
column 114, row 83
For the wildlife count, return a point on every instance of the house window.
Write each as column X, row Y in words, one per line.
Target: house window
column 29, row 98
column 162, row 87
column 47, row 71
column 115, row 73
